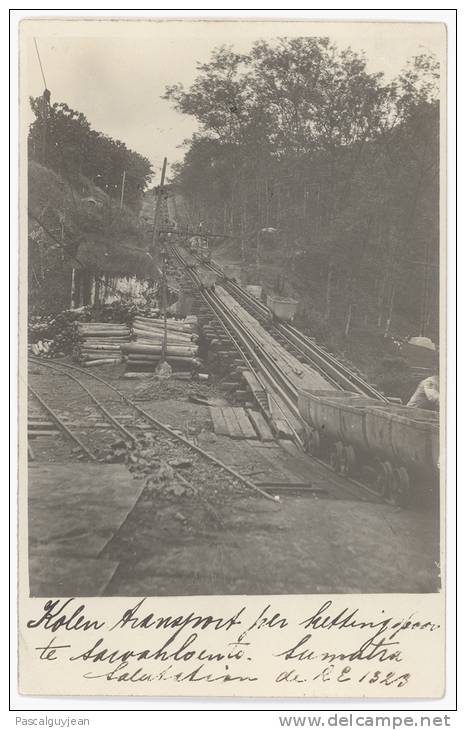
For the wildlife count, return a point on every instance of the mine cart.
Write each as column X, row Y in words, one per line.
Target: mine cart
column 208, row 279
column 282, row 308
column 397, row 446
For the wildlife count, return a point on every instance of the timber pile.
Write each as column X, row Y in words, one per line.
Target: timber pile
column 100, row 343
column 54, row 335
column 145, row 351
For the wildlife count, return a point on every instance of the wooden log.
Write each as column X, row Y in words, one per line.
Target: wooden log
column 171, row 324
column 176, row 350
column 105, row 356
column 91, row 363
column 94, row 332
column 94, row 325
column 159, row 338
column 105, row 338
column 94, row 347
column 100, row 348
column 137, row 376
column 104, row 328
column 160, row 328
column 108, row 327
column 145, row 334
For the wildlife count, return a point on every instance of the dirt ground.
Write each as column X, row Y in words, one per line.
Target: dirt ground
column 226, row 539
column 303, row 546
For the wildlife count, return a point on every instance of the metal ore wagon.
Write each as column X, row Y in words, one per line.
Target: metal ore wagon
column 207, row 278
column 399, row 446
column 282, row 308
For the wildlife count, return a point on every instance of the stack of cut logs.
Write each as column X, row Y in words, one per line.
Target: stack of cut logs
column 145, row 352
column 100, row 343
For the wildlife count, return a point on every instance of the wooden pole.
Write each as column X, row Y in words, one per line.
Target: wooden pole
column 45, row 112
column 164, row 306
column 122, row 189
column 158, row 204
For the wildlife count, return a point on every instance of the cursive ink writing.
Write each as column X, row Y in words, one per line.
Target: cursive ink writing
column 54, row 617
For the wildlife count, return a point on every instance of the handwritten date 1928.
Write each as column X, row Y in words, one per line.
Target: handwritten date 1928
column 346, row 674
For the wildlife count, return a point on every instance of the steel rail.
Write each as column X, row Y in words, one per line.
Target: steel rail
column 62, row 425
column 339, row 375
column 277, row 380
column 326, row 363
column 225, row 314
column 99, row 405
column 274, row 330
column 242, row 333
column 264, row 313
column 161, row 426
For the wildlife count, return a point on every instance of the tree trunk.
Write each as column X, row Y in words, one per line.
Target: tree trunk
column 267, row 202
column 380, row 299
column 243, row 230
column 348, row 319
column 329, row 291
column 390, row 313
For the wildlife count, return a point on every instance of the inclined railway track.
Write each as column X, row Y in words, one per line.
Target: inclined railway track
column 260, row 362
column 300, row 344
column 265, row 368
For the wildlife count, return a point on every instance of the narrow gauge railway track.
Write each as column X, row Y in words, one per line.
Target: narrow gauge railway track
column 298, row 343
column 140, row 416
column 59, row 422
column 263, row 367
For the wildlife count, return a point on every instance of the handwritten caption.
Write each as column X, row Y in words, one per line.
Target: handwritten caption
column 330, row 644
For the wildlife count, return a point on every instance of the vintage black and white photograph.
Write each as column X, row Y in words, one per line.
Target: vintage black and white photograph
column 235, row 338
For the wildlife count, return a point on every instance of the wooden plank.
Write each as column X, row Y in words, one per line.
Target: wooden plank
column 218, row 420
column 244, row 423
column 252, row 381
column 234, row 429
column 301, row 375
column 261, row 425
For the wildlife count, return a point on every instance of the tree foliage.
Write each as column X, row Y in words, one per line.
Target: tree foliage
column 62, row 139
column 299, row 135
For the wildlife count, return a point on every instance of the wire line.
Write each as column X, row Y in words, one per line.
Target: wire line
column 40, row 63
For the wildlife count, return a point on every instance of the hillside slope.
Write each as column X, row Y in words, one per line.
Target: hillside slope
column 78, row 226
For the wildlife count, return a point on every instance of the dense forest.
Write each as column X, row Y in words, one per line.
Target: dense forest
column 298, row 135
column 62, row 139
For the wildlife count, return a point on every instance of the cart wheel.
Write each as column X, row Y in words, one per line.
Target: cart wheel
column 335, row 453
column 313, row 443
column 337, row 457
column 400, row 487
column 348, row 461
column 384, row 479
column 343, row 462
